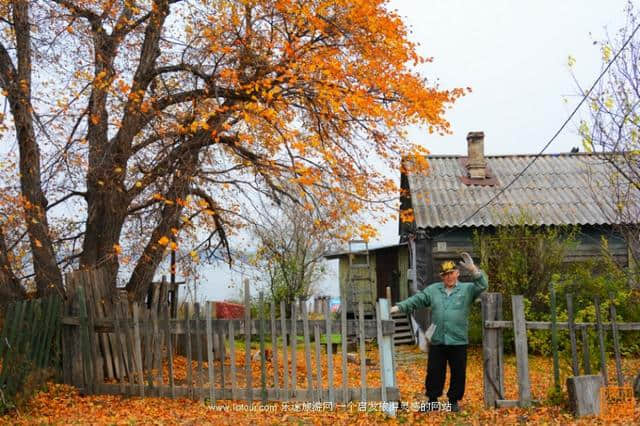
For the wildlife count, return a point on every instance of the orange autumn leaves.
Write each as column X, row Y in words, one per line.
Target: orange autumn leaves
column 62, row 404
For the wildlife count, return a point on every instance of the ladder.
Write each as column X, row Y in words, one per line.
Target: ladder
column 359, row 279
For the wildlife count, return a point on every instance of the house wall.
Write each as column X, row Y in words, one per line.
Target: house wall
column 447, row 245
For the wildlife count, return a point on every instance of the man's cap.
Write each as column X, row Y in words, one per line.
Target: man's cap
column 447, row 266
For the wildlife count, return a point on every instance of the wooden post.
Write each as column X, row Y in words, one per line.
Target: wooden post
column 386, row 347
column 157, row 351
column 263, row 360
column 554, row 338
column 522, row 356
column 327, row 320
column 307, row 346
column 388, row 290
column 119, row 348
column 343, row 331
column 572, row 336
column 274, row 346
column 131, row 344
column 316, row 337
column 200, row 372
column 247, row 342
column 285, row 356
column 210, row 366
column 138, row 346
column 616, row 342
column 492, row 350
column 363, row 355
column 187, row 338
column 294, row 349
column 603, row 359
column 232, row 360
column 167, row 331
column 586, row 353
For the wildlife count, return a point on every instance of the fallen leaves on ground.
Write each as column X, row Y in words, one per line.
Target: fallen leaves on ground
column 63, row 405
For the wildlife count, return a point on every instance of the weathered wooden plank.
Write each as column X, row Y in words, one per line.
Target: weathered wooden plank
column 294, row 348
column 169, row 339
column 247, row 342
column 105, row 325
column 127, row 328
column 119, row 350
column 263, row 358
column 232, row 360
column 344, row 344
column 210, row 366
column 328, row 328
column 316, row 337
column 157, row 349
column 546, row 325
column 383, row 388
column 372, row 394
column 554, row 337
column 93, row 335
column 187, row 317
column 147, row 336
column 493, row 377
column 285, row 350
column 603, row 359
column 572, row 336
column 137, row 341
column 363, row 356
column 199, row 373
column 586, row 352
column 522, row 356
column 221, row 349
column 89, row 379
column 103, row 310
column 387, row 368
column 274, row 345
column 307, row 344
column 616, row 342
column 94, row 306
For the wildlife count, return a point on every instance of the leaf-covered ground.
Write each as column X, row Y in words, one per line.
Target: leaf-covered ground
column 63, row 405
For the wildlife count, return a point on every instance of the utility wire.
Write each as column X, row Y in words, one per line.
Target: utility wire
column 575, row 110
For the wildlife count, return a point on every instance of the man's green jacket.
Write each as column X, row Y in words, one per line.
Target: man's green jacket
column 450, row 313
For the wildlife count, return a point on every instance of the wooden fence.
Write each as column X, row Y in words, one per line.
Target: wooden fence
column 29, row 340
column 143, row 346
column 492, row 342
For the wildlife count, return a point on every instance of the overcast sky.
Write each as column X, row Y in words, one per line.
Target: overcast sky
column 513, row 54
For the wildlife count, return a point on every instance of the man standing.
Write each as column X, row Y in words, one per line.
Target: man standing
column 450, row 301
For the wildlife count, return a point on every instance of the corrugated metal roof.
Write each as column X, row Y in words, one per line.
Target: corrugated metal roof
column 558, row 189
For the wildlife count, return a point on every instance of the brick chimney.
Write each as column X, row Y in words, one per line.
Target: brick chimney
column 475, row 148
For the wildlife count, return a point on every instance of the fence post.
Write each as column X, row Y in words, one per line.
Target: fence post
column 554, row 337
column 492, row 350
column 522, row 355
column 385, row 344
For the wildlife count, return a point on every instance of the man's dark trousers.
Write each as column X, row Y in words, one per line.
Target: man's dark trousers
column 439, row 356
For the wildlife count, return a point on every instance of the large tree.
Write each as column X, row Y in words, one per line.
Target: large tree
column 145, row 124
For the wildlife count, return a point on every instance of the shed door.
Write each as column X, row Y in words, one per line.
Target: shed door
column 387, row 273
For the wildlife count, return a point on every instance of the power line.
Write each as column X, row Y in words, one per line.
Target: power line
column 575, row 110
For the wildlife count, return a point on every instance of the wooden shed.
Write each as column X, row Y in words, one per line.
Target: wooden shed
column 388, row 266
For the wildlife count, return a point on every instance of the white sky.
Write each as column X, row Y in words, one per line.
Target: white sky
column 513, row 54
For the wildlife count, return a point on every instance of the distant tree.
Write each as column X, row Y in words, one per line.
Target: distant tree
column 289, row 258
column 141, row 126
